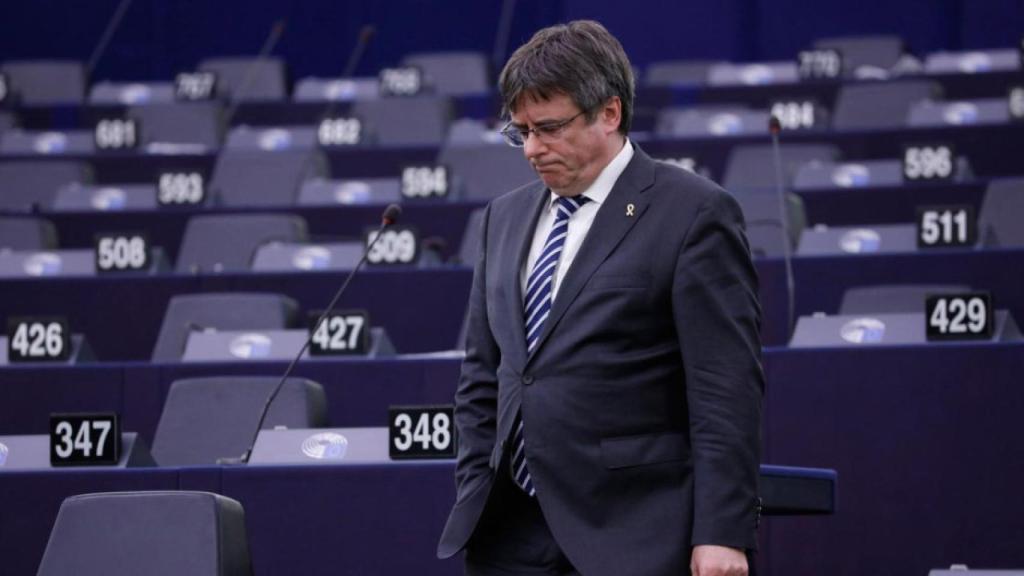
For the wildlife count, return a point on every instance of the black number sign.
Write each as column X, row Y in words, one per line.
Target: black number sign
column 195, row 86
column 422, row 182
column 929, row 162
column 820, row 64
column 85, row 439
column 187, row 188
column 421, row 432
column 959, row 316
column 944, row 226
column 38, row 339
column 796, row 114
column 339, row 132
column 1016, row 103
column 405, row 81
column 116, row 134
column 342, row 333
column 398, row 246
column 121, row 252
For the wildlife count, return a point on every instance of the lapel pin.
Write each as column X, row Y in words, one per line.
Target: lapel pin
column 630, row 208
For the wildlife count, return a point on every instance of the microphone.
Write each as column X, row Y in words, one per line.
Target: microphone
column 775, row 127
column 108, row 33
column 388, row 218
column 268, row 46
column 501, row 37
column 366, row 33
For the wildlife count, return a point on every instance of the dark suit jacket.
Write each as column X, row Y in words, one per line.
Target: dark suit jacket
column 642, row 400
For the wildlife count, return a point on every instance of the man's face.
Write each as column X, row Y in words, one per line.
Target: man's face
column 570, row 160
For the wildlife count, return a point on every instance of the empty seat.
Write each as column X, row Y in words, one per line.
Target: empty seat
column 7, row 121
column 472, row 237
column 248, row 79
column 879, row 106
column 313, row 89
column 227, row 243
column 25, row 185
column 46, row 82
column 1001, row 214
column 710, row 120
column 87, row 198
column 257, row 178
column 219, row 311
column 486, row 171
column 678, row 73
column 323, row 192
column 413, row 121
column 17, row 141
column 23, row 233
column 752, row 167
column 452, row 73
column 764, row 222
column 892, row 298
column 153, row 533
column 861, row 53
column 194, row 123
column 131, row 93
column 205, row 419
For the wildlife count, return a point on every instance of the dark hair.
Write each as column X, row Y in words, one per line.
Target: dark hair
column 580, row 59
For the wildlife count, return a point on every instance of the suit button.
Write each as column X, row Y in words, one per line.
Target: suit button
column 527, row 380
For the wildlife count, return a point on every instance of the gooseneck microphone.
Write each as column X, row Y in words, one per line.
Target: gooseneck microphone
column 388, row 218
column 775, row 127
column 101, row 47
column 276, row 30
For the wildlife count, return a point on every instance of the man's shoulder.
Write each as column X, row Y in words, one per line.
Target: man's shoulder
column 683, row 189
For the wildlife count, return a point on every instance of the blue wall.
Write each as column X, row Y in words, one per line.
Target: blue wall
column 161, row 37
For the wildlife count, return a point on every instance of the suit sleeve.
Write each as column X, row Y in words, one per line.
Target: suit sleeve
column 718, row 321
column 476, row 400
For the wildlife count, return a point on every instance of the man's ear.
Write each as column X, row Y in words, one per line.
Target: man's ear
column 611, row 114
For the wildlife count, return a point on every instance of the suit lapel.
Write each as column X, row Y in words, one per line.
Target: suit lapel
column 517, row 251
column 610, row 226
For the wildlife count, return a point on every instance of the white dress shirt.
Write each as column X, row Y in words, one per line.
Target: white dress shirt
column 579, row 224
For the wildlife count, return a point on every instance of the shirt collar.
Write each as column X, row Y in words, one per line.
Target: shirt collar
column 602, row 186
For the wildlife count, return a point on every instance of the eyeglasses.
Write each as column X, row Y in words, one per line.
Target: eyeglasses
column 548, row 132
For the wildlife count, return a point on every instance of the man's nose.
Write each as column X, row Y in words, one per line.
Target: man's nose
column 532, row 146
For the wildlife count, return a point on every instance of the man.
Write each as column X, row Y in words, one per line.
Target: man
column 609, row 405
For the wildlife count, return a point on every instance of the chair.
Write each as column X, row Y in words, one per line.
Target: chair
column 219, row 311
column 452, row 73
column 226, row 243
column 23, row 233
column 412, row 121
column 880, row 106
column 197, row 123
column 206, row 419
column 469, row 250
column 677, row 73
column 1001, row 214
column 131, row 93
column 764, row 224
column 860, row 52
column 486, row 171
column 245, row 79
column 892, row 298
column 752, row 167
column 154, row 533
column 46, row 82
column 25, row 185
column 251, row 178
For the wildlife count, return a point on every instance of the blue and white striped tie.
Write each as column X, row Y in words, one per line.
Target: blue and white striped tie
column 538, row 306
